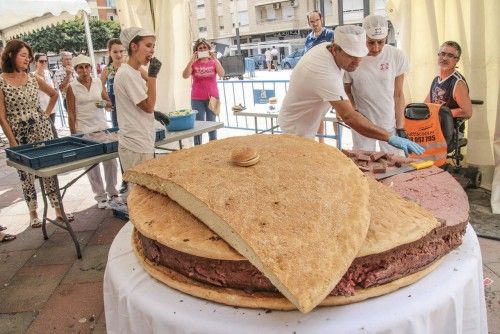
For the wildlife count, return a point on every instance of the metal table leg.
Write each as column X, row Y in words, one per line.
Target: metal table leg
column 67, row 225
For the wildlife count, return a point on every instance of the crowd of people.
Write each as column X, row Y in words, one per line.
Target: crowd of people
column 351, row 69
column 356, row 72
column 27, row 102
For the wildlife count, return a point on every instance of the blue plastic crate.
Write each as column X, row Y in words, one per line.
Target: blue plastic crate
column 184, row 122
column 160, row 134
column 109, row 146
column 121, row 213
column 54, row 152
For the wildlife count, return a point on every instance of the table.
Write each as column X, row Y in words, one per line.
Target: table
column 271, row 111
column 199, row 128
column 449, row 300
column 91, row 162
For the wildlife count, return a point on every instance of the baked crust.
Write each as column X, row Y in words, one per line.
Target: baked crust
column 301, row 228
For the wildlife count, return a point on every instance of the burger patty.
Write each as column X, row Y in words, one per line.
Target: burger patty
column 364, row 272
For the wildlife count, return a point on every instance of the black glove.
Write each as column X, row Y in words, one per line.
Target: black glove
column 162, row 118
column 402, row 133
column 154, row 67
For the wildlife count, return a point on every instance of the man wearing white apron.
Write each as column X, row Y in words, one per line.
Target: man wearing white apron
column 316, row 83
column 375, row 88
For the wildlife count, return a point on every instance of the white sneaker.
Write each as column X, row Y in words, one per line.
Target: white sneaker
column 102, row 204
column 115, row 202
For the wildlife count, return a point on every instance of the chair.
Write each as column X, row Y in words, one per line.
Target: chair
column 452, row 130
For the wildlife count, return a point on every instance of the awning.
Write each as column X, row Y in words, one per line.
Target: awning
column 267, row 2
column 18, row 16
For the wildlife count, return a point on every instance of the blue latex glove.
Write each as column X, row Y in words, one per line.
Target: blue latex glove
column 406, row 145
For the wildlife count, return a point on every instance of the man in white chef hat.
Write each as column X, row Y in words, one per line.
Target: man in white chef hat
column 317, row 82
column 375, row 88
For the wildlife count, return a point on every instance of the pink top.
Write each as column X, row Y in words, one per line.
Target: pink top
column 204, row 79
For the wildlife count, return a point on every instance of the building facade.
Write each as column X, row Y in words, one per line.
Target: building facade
column 103, row 9
column 262, row 24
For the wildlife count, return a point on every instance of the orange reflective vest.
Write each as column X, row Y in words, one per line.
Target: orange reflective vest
column 428, row 134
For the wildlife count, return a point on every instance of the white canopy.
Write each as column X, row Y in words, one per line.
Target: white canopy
column 170, row 20
column 22, row 16
column 26, row 15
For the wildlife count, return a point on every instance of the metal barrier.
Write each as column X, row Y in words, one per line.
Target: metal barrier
column 235, row 92
column 249, row 93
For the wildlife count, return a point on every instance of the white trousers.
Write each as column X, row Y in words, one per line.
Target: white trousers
column 130, row 159
column 360, row 142
column 110, row 176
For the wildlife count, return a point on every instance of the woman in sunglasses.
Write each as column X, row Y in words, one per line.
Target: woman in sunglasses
column 449, row 88
column 203, row 67
column 41, row 71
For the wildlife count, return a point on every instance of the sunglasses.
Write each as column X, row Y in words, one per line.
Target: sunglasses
column 42, row 61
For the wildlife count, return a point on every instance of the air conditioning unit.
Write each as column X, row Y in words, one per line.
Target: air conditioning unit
column 277, row 5
column 294, row 3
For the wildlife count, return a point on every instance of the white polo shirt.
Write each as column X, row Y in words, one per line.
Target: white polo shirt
column 137, row 129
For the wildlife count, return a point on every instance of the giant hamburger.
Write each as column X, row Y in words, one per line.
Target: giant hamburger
column 299, row 228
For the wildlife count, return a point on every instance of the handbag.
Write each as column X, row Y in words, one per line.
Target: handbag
column 214, row 105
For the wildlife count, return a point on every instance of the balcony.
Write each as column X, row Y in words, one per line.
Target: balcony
column 274, row 12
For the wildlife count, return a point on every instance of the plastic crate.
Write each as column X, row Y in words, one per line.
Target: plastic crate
column 184, row 122
column 54, row 152
column 109, row 146
column 160, row 134
column 121, row 213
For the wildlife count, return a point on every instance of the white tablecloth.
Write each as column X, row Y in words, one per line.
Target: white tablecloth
column 449, row 300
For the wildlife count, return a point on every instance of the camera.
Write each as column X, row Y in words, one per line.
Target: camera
column 203, row 54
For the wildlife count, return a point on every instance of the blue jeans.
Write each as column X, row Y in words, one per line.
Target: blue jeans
column 114, row 117
column 204, row 114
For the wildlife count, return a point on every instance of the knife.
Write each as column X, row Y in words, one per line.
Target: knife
column 408, row 168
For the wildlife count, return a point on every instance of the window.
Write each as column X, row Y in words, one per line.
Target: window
column 221, row 22
column 111, row 3
column 202, row 25
column 328, row 6
column 243, row 18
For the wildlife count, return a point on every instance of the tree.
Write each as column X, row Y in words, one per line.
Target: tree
column 70, row 36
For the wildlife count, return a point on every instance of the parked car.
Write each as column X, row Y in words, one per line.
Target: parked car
column 260, row 61
column 292, row 59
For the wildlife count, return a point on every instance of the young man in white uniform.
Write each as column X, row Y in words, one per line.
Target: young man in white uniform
column 135, row 92
column 317, row 82
column 375, row 88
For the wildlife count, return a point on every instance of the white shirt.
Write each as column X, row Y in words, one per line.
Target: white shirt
column 89, row 118
column 43, row 98
column 137, row 129
column 372, row 85
column 315, row 81
column 269, row 55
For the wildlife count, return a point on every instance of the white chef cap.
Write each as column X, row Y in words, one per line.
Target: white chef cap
column 352, row 39
column 376, row 26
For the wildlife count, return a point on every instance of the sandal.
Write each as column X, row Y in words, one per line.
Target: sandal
column 35, row 223
column 6, row 237
column 69, row 216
